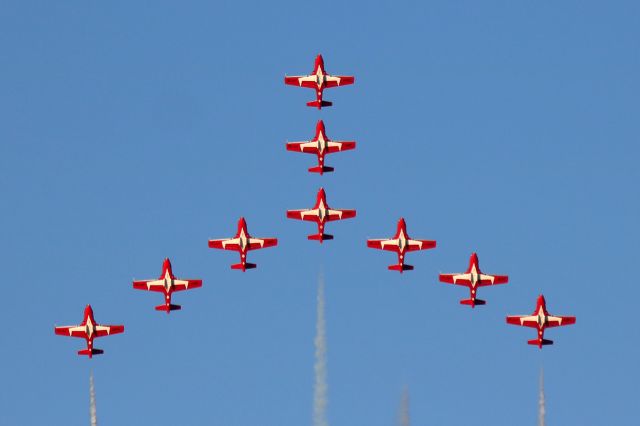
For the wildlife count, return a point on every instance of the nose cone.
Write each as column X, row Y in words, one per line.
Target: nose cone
column 242, row 223
column 88, row 311
column 166, row 266
column 541, row 301
column 319, row 61
column 402, row 224
column 473, row 260
column 322, row 195
column 319, row 128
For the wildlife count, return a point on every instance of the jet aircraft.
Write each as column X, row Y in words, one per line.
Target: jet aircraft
column 242, row 243
column 401, row 243
column 167, row 283
column 319, row 80
column 89, row 329
column 473, row 278
column 541, row 319
column 320, row 145
column 321, row 213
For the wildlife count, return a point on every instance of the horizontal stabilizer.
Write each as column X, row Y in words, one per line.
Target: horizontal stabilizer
column 540, row 343
column 319, row 104
column 90, row 352
column 399, row 267
column 244, row 266
column 472, row 302
column 321, row 169
column 320, row 237
column 169, row 308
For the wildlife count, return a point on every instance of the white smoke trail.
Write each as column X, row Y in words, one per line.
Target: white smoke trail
column 403, row 417
column 92, row 402
column 320, row 366
column 541, row 404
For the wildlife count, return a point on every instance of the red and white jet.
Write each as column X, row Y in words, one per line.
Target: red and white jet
column 167, row 283
column 89, row 330
column 319, row 81
column 242, row 243
column 321, row 213
column 401, row 243
column 320, row 145
column 540, row 319
column 473, row 278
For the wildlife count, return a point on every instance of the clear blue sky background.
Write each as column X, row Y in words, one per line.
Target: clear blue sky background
column 134, row 131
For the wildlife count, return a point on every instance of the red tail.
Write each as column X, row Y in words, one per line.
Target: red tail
column 319, row 103
column 321, row 169
column 401, row 267
column 540, row 342
column 168, row 308
column 91, row 352
column 472, row 302
column 243, row 266
column 320, row 237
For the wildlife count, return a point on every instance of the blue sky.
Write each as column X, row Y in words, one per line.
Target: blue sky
column 133, row 132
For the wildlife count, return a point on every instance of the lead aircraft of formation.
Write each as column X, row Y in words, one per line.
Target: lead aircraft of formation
column 541, row 319
column 318, row 81
column 473, row 278
column 401, row 244
column 167, row 283
column 89, row 329
column 242, row 243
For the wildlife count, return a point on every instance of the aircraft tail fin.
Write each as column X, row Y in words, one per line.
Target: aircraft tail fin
column 169, row 308
column 319, row 104
column 473, row 302
column 321, row 169
column 320, row 237
column 400, row 267
column 91, row 352
column 243, row 266
column 540, row 342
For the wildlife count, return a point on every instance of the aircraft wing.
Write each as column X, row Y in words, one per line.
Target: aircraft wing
column 553, row 321
column 338, row 80
column 336, row 214
column 414, row 245
column 180, row 285
column 486, row 280
column 383, row 244
column 523, row 320
column 459, row 279
column 337, row 146
column 260, row 243
column 302, row 81
column 149, row 285
column 225, row 244
column 307, row 147
column 303, row 214
column 107, row 330
column 72, row 331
